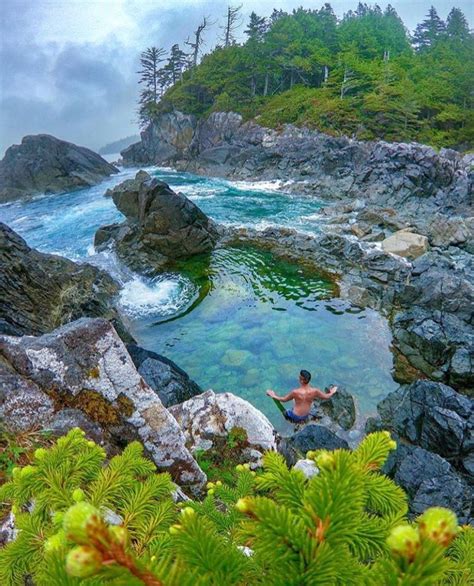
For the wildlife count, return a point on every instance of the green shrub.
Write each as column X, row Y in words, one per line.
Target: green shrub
column 83, row 520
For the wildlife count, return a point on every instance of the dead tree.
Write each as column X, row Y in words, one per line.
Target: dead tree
column 233, row 22
column 198, row 41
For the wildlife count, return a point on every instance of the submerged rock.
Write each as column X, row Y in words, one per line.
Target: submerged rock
column 85, row 367
column 165, row 377
column 210, row 416
column 161, row 225
column 434, row 417
column 40, row 292
column 429, row 481
column 45, row 164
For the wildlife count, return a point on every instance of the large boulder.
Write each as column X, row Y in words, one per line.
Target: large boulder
column 161, row 225
column 172, row 384
column 40, row 292
column 207, row 418
column 84, row 367
column 433, row 416
column 405, row 243
column 45, row 164
column 429, row 481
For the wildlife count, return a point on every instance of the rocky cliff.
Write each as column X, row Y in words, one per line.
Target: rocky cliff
column 39, row 292
column 408, row 184
column 45, row 164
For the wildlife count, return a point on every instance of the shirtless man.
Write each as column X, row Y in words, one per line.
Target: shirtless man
column 303, row 398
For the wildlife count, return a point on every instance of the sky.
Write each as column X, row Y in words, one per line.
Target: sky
column 69, row 67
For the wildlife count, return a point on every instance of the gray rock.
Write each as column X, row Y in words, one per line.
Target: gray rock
column 340, row 408
column 209, row 417
column 429, row 481
column 316, row 437
column 405, row 243
column 165, row 377
column 433, row 416
column 40, row 292
column 45, row 164
column 161, row 225
column 84, row 366
column 308, row 467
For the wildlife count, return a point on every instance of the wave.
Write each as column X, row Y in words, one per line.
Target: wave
column 265, row 186
column 141, row 297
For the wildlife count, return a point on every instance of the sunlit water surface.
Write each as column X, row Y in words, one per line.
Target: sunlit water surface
column 241, row 320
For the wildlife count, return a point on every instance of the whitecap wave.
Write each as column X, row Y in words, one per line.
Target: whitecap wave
column 263, row 186
column 141, row 297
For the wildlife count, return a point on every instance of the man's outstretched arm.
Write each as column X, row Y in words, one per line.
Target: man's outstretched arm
column 284, row 399
column 328, row 395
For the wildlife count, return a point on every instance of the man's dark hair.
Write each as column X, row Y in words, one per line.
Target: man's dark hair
column 306, row 376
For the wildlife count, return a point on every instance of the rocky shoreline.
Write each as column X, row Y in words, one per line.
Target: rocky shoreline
column 81, row 374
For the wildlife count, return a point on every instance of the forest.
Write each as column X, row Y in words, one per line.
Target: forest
column 363, row 75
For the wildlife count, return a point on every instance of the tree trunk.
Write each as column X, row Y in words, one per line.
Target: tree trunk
column 326, row 73
column 265, row 87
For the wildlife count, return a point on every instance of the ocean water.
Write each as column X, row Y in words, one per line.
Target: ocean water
column 238, row 320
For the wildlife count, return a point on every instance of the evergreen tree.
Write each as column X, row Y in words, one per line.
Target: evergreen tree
column 256, row 28
column 176, row 65
column 429, row 31
column 456, row 25
column 151, row 79
column 84, row 521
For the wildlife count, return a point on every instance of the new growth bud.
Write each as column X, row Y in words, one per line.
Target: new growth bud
column 439, row 525
column 40, row 454
column 78, row 495
column 325, row 460
column 243, row 505
column 77, row 520
column 404, row 540
column 119, row 534
column 83, row 561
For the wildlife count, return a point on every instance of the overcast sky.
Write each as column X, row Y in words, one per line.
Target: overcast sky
column 68, row 67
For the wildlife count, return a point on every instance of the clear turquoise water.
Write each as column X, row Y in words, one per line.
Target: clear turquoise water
column 241, row 320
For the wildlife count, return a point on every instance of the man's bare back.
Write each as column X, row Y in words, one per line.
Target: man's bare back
column 303, row 396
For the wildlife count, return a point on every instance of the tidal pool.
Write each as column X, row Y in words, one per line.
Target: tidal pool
column 251, row 322
column 241, row 320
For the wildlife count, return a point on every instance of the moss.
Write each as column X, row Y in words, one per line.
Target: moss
column 94, row 405
column 94, row 372
column 220, row 461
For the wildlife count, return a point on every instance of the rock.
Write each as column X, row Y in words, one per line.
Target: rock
column 85, row 366
column 45, row 164
column 432, row 416
column 308, row 467
column 165, row 140
column 165, row 377
column 429, row 481
column 40, row 292
column 161, row 225
column 316, row 437
column 211, row 416
column 413, row 179
column 340, row 408
column 406, row 244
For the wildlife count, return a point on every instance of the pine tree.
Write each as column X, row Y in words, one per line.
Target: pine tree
column 175, row 66
column 456, row 26
column 152, row 81
column 82, row 520
column 429, row 31
column 256, row 28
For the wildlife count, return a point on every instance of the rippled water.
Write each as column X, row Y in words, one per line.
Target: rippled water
column 239, row 320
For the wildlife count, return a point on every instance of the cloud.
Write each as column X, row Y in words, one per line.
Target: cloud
column 69, row 68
